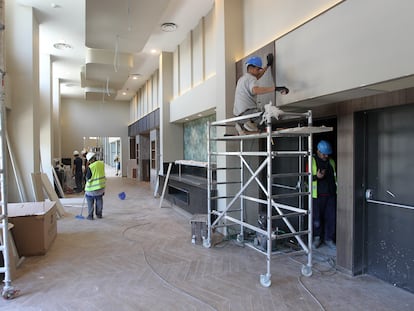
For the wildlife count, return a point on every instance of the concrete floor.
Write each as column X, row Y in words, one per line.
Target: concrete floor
column 140, row 257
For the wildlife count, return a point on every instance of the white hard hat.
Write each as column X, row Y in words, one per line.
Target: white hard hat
column 76, row 152
column 90, row 155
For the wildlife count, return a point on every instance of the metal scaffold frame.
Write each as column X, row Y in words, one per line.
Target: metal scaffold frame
column 8, row 291
column 231, row 213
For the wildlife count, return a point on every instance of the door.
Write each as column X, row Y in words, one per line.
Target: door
column 388, row 171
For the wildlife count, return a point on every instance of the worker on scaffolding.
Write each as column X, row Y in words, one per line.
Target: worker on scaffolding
column 247, row 89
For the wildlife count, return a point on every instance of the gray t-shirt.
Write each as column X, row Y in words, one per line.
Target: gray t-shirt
column 244, row 99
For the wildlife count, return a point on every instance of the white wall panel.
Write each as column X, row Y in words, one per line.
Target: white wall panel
column 357, row 43
column 267, row 20
column 176, row 72
column 198, row 53
column 185, row 65
column 210, row 45
column 155, row 103
column 199, row 99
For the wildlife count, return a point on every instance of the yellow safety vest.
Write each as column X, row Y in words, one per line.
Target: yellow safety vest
column 315, row 180
column 98, row 179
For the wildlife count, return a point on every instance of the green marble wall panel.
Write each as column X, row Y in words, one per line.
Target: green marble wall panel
column 195, row 139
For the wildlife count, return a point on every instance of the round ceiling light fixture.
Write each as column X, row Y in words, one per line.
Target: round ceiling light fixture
column 135, row 76
column 168, row 27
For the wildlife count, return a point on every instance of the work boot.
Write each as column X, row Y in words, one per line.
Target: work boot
column 316, row 242
column 250, row 126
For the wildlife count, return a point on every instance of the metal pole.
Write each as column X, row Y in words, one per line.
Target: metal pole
column 8, row 291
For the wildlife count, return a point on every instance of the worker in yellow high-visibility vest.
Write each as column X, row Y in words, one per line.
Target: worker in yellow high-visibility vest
column 95, row 185
column 324, row 186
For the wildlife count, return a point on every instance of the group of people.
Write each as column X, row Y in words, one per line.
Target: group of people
column 324, row 183
column 91, row 171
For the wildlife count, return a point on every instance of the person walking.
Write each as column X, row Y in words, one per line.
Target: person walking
column 247, row 89
column 117, row 161
column 77, row 171
column 95, row 185
column 324, row 186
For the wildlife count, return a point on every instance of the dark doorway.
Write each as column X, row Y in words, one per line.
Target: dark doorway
column 291, row 164
column 383, row 157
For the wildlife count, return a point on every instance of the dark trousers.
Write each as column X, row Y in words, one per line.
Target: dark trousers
column 78, row 181
column 324, row 217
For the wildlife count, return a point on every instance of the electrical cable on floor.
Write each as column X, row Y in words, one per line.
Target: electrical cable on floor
column 158, row 275
column 311, row 294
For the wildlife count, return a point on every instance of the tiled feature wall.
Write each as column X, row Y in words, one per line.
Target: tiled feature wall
column 195, row 139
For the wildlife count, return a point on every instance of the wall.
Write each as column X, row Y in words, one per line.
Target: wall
column 146, row 99
column 79, row 119
column 267, row 20
column 329, row 54
column 194, row 64
column 22, row 59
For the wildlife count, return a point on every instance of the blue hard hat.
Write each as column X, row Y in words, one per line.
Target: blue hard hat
column 254, row 61
column 324, row 147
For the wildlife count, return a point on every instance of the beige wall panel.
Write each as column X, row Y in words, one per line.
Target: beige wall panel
column 210, row 50
column 198, row 53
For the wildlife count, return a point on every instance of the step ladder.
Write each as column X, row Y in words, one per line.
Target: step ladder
column 8, row 292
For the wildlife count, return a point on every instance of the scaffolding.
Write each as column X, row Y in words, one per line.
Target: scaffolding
column 234, row 197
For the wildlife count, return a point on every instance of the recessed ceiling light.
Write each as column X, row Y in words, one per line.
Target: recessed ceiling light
column 62, row 46
column 168, row 27
column 135, row 76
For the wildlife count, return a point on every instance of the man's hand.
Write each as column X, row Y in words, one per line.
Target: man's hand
column 269, row 58
column 282, row 89
column 320, row 174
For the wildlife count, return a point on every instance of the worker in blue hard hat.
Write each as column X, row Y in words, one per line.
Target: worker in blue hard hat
column 247, row 90
column 324, row 184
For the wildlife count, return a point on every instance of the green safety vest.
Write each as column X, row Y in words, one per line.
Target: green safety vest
column 98, row 179
column 315, row 181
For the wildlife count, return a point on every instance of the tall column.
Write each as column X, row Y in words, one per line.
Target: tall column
column 229, row 44
column 22, row 69
column 45, row 116
column 171, row 135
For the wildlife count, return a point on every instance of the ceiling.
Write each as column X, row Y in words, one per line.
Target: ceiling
column 114, row 45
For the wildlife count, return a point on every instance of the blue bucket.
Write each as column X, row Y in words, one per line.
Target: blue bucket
column 122, row 195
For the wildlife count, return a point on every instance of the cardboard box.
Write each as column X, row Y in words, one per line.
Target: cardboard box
column 35, row 226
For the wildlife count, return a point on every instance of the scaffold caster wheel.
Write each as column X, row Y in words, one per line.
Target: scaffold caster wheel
column 206, row 243
column 306, row 271
column 10, row 293
column 240, row 238
column 265, row 280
